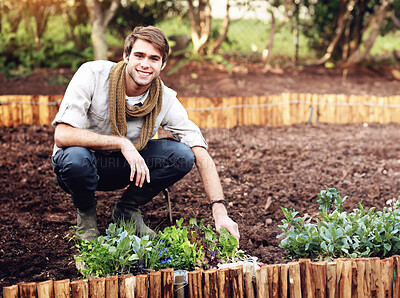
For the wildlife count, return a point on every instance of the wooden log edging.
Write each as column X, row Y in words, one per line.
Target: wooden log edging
column 269, row 110
column 363, row 277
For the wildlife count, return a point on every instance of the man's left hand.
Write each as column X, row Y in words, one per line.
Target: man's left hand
column 222, row 220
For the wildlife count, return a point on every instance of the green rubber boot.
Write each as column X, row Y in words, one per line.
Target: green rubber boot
column 87, row 224
column 132, row 213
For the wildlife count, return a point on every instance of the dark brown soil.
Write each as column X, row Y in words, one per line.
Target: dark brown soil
column 261, row 169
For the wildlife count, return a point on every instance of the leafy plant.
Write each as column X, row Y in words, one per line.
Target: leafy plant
column 120, row 251
column 337, row 233
column 194, row 245
column 184, row 246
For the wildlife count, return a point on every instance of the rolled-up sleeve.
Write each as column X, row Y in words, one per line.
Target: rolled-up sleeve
column 77, row 99
column 184, row 130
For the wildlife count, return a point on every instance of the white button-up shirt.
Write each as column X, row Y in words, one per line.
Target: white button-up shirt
column 85, row 105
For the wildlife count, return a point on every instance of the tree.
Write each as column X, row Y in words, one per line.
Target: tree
column 275, row 4
column 200, row 24
column 375, row 24
column 345, row 30
column 343, row 17
column 100, row 14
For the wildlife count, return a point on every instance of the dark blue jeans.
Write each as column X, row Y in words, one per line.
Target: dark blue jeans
column 81, row 171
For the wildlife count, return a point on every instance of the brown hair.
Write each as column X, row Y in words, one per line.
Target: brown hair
column 151, row 34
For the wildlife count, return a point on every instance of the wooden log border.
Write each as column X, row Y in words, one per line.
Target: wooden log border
column 269, row 110
column 363, row 277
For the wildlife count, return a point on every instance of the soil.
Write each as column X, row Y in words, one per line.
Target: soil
column 261, row 168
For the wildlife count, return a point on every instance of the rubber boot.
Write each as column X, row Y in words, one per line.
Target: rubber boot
column 87, row 224
column 131, row 213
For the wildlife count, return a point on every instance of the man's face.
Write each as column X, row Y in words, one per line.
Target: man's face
column 144, row 64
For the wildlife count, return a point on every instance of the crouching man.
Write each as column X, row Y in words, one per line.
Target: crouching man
column 103, row 136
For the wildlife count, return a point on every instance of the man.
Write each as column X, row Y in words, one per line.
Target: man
column 103, row 134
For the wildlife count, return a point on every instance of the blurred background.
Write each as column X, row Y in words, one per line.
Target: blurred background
column 279, row 33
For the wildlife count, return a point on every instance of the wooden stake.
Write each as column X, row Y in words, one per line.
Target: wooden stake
column 27, row 289
column 283, row 281
column 210, row 289
column 195, row 286
column 262, row 282
column 275, row 277
column 80, row 288
column 45, row 289
column 331, row 280
column 97, row 287
column 142, row 286
column 223, row 283
column 294, row 280
column 362, row 288
column 387, row 266
column 248, row 285
column 306, row 282
column 318, row 276
column 155, row 284
column 237, row 281
column 344, row 277
column 376, row 280
column 112, row 287
column 126, row 286
column 167, row 279
column 10, row 292
column 62, row 288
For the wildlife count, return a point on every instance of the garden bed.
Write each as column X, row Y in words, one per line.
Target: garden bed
column 261, row 169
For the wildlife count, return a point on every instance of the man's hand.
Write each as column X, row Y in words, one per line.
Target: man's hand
column 136, row 162
column 222, row 220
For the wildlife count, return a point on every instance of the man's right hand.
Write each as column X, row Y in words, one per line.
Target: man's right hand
column 136, row 162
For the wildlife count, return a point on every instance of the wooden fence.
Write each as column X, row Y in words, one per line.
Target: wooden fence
column 270, row 110
column 364, row 277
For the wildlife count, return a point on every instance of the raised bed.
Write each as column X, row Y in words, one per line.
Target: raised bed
column 364, row 277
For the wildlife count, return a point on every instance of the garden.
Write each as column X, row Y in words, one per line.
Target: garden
column 305, row 195
column 262, row 169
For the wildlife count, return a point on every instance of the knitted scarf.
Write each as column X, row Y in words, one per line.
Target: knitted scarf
column 119, row 108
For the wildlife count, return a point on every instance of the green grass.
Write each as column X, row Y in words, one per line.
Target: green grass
column 386, row 44
column 246, row 37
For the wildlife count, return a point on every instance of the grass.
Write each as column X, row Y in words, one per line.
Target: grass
column 247, row 37
column 386, row 44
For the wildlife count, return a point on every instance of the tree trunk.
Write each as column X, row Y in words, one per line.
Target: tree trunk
column 339, row 31
column 346, row 44
column 200, row 23
column 99, row 20
column 358, row 26
column 270, row 43
column 224, row 33
column 395, row 20
column 375, row 24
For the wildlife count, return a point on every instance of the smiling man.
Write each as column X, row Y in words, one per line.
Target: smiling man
column 103, row 137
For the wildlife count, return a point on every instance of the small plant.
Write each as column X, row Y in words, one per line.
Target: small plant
column 120, row 251
column 194, row 245
column 337, row 233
